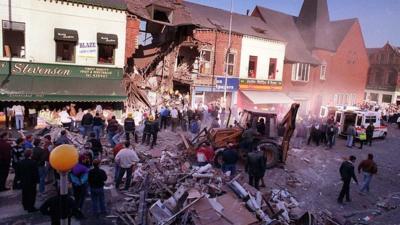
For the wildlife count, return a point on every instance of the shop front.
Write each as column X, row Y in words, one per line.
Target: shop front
column 207, row 94
column 40, row 86
column 263, row 95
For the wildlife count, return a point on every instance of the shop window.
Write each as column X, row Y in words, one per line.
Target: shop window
column 106, row 54
column 387, row 98
column 301, row 72
column 13, row 39
column 272, row 69
column 322, row 75
column 65, row 51
column 373, row 97
column 230, row 63
column 252, row 73
column 205, row 62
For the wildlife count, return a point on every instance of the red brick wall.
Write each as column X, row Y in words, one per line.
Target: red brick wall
column 132, row 35
column 219, row 41
column 343, row 76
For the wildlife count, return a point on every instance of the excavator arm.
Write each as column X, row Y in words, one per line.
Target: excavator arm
column 289, row 122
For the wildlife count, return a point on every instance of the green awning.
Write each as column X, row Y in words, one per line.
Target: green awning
column 59, row 89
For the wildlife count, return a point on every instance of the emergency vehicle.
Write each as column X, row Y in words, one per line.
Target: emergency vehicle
column 361, row 118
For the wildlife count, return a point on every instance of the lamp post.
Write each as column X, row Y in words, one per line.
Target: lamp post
column 63, row 158
column 228, row 50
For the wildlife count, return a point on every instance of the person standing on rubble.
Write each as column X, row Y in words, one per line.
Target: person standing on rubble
column 164, row 113
column 174, row 119
column 255, row 167
column 369, row 168
column 229, row 158
column 40, row 155
column 154, row 131
column 27, row 170
column 98, row 125
column 96, row 145
column 126, row 158
column 112, row 129
column 63, row 139
column 129, row 127
column 79, row 179
column 87, row 123
column 347, row 173
column 97, row 177
column 148, row 124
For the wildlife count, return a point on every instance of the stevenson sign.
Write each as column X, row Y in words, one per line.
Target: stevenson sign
column 58, row 70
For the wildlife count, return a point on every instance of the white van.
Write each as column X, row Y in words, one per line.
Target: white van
column 361, row 118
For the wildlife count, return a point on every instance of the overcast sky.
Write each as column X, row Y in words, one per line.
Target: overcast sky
column 380, row 19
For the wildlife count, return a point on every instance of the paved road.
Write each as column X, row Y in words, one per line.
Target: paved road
column 317, row 171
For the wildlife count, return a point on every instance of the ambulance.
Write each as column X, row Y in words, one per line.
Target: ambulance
column 361, row 118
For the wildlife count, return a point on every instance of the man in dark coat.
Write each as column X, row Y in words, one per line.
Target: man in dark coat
column 154, row 131
column 129, row 127
column 147, row 131
column 28, row 172
column 229, row 157
column 51, row 207
column 87, row 123
column 40, row 155
column 5, row 160
column 347, row 173
column 255, row 167
column 370, row 133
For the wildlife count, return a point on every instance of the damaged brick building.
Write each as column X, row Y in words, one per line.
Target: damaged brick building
column 274, row 58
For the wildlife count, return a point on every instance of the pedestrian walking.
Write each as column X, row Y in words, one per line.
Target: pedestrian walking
column 112, row 129
column 79, row 180
column 27, row 170
column 98, row 125
column 347, row 173
column 369, row 168
column 126, row 159
column 370, row 133
column 97, row 177
column 40, row 156
column 87, row 123
column 330, row 133
column 5, row 160
column 51, row 207
column 351, row 133
column 129, row 127
column 229, row 157
column 255, row 167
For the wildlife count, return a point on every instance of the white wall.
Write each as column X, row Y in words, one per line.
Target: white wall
column 41, row 17
column 264, row 50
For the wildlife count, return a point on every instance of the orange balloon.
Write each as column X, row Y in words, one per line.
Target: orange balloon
column 64, row 157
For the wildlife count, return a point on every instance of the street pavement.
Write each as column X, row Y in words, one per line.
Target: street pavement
column 311, row 174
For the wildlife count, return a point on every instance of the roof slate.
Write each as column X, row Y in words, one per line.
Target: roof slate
column 214, row 18
column 296, row 50
column 113, row 4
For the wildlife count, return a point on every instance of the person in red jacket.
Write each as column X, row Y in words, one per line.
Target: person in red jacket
column 5, row 159
column 205, row 154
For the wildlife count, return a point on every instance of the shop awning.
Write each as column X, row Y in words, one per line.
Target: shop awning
column 107, row 39
column 265, row 97
column 60, row 89
column 65, row 35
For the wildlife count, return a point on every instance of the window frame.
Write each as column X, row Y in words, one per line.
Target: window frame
column 322, row 73
column 203, row 62
column 73, row 55
column 10, row 22
column 301, row 72
column 255, row 59
column 228, row 64
column 275, row 60
column 113, row 54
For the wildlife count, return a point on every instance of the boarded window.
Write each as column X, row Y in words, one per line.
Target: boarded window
column 272, row 69
column 252, row 72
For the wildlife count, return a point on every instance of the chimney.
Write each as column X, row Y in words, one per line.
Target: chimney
column 247, row 12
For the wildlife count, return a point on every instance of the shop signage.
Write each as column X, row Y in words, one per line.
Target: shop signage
column 87, row 49
column 262, row 85
column 59, row 70
column 232, row 83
